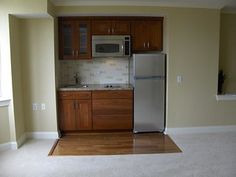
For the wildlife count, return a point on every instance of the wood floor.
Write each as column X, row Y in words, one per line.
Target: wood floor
column 114, row 144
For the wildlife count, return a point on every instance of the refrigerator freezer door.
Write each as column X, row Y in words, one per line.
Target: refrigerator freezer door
column 149, row 98
column 148, row 65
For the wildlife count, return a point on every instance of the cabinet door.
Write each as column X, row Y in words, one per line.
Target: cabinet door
column 101, row 27
column 66, row 40
column 120, row 27
column 67, row 121
column 154, row 35
column 83, row 36
column 147, row 35
column 139, row 35
column 83, row 115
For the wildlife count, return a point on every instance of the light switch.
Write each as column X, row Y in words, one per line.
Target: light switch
column 179, row 79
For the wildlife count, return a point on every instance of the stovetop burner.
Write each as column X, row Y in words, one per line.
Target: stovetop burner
column 112, row 86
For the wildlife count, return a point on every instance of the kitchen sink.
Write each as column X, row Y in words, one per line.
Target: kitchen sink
column 76, row 86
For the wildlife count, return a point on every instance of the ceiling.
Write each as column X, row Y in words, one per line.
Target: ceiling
column 214, row 4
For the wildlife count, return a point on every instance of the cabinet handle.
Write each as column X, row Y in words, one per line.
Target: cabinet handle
column 113, row 30
column 77, row 53
column 109, row 30
column 148, row 44
column 122, row 48
column 73, row 52
column 74, row 104
column 144, row 45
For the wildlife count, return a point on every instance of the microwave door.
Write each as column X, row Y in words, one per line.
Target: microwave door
column 108, row 48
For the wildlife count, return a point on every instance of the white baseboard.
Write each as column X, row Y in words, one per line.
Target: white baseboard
column 29, row 135
column 8, row 145
column 5, row 146
column 42, row 135
column 208, row 129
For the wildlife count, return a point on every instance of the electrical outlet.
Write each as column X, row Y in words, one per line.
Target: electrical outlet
column 35, row 106
column 43, row 106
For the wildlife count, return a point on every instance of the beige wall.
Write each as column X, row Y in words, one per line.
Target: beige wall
column 4, row 125
column 24, row 7
column 15, row 42
column 228, row 51
column 9, row 55
column 193, row 44
column 37, row 53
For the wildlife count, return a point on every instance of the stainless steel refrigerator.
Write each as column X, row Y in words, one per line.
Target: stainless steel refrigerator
column 148, row 76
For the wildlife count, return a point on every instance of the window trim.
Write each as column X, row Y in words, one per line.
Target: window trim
column 226, row 97
column 4, row 102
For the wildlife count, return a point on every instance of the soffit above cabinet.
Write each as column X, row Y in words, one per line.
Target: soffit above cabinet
column 214, row 4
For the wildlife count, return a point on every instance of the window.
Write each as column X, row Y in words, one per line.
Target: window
column 0, row 76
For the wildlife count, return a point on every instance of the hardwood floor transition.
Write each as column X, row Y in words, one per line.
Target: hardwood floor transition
column 114, row 144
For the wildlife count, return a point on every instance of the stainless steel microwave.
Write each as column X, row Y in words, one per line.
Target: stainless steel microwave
column 111, row 46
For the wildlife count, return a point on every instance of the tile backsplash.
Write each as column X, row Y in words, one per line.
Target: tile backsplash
column 95, row 71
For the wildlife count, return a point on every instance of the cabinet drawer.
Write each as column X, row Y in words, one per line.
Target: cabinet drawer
column 112, row 106
column 110, row 94
column 112, row 122
column 74, row 95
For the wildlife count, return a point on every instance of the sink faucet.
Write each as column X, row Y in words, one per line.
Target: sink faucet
column 77, row 79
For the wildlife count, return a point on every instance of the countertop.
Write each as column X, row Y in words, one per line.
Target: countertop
column 91, row 87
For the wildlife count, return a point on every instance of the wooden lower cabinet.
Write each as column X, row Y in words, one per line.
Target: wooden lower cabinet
column 112, row 110
column 67, row 120
column 74, row 114
column 95, row 110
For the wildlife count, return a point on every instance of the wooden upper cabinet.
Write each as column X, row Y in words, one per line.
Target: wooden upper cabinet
column 138, row 35
column 121, row 27
column 83, row 39
column 66, row 40
column 147, row 35
column 101, row 27
column 74, row 39
column 110, row 27
column 75, row 34
column 154, row 35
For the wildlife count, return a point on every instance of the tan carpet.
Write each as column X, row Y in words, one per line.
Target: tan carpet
column 204, row 155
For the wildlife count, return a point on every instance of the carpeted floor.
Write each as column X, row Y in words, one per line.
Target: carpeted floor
column 204, row 155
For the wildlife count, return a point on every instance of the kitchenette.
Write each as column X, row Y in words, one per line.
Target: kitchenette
column 111, row 74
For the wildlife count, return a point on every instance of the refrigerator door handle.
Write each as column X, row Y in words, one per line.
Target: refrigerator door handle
column 148, row 77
